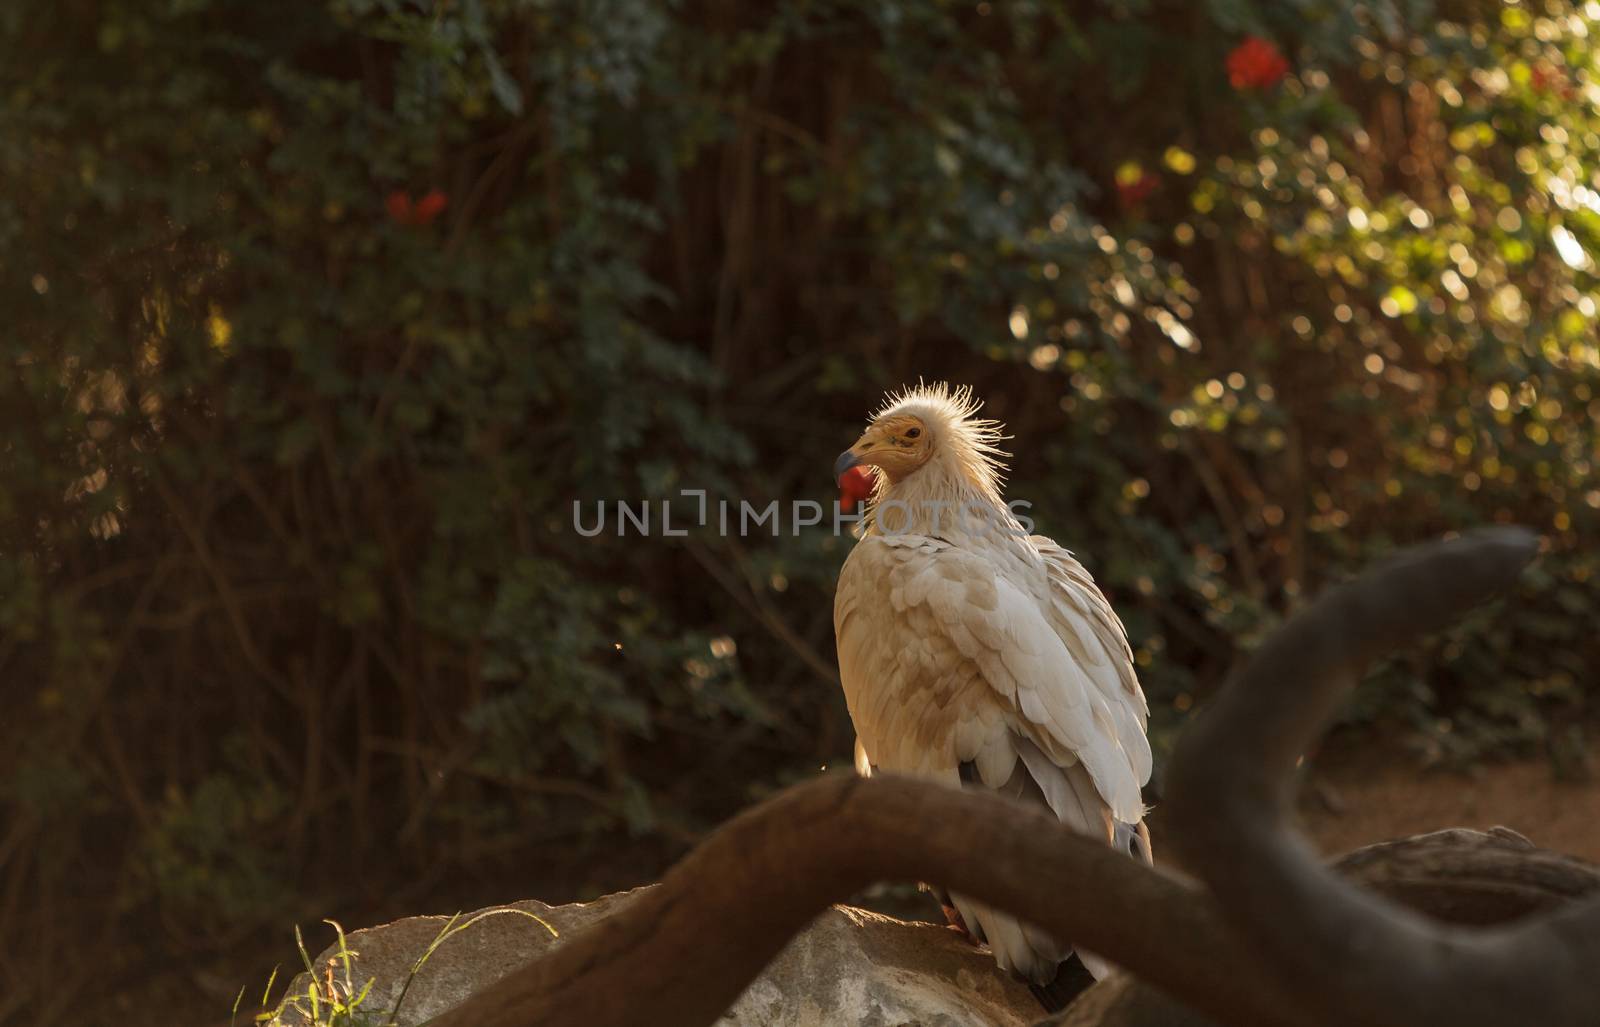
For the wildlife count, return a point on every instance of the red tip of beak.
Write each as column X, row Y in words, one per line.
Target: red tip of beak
column 855, row 485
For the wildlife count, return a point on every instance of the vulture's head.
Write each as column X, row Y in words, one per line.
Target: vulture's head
column 930, row 429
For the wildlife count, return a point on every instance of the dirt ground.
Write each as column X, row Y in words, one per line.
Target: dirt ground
column 1359, row 792
column 1353, row 799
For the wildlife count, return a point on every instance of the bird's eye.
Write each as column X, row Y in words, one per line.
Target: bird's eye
column 913, row 433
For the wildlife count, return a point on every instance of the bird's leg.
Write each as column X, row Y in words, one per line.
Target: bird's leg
column 952, row 915
column 953, row 920
column 956, row 922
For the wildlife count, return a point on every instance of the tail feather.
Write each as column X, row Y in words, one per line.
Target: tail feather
column 1069, row 792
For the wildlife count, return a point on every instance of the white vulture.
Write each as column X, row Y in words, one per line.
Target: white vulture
column 974, row 654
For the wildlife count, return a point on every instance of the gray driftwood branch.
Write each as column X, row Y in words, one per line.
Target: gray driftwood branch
column 1349, row 954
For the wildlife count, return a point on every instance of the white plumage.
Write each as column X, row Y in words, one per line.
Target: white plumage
column 971, row 651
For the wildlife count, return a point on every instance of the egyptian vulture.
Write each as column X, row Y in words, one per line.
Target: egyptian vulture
column 974, row 654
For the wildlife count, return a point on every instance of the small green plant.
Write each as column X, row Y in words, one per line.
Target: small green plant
column 331, row 999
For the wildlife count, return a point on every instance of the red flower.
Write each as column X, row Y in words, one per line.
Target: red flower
column 854, row 486
column 403, row 212
column 1548, row 79
column 430, row 206
column 1256, row 64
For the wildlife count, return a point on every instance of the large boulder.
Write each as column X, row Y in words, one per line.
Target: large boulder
column 851, row 966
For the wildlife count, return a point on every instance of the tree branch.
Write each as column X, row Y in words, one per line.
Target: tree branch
column 1230, row 792
column 683, row 952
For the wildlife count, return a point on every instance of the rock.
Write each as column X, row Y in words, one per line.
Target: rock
column 850, row 967
column 856, row 967
column 493, row 942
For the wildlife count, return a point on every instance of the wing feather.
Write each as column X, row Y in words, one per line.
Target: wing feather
column 1081, row 611
column 908, row 654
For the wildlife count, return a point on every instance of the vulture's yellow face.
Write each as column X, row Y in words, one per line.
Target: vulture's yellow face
column 894, row 444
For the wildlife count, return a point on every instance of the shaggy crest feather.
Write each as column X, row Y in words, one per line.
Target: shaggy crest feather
column 969, row 440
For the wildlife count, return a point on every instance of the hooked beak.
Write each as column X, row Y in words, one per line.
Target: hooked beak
column 847, row 460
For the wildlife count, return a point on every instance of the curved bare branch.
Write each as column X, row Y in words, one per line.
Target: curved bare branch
column 682, row 952
column 1353, row 956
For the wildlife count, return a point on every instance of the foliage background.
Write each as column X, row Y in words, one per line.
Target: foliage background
column 293, row 618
